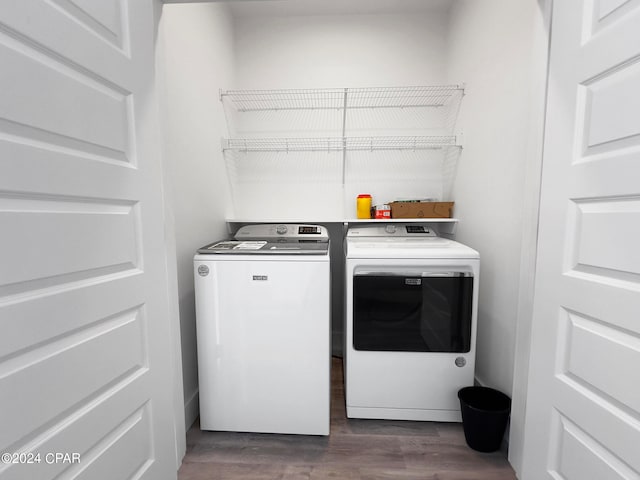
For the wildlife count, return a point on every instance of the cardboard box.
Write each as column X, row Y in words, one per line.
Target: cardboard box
column 421, row 209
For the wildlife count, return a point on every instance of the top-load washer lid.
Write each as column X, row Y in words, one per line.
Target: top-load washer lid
column 402, row 240
column 274, row 239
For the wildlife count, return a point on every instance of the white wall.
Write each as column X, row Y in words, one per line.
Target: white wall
column 498, row 48
column 340, row 50
column 198, row 51
column 347, row 50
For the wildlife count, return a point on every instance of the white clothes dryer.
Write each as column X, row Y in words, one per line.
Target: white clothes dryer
column 263, row 330
column 410, row 322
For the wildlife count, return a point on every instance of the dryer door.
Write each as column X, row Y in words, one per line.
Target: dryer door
column 400, row 312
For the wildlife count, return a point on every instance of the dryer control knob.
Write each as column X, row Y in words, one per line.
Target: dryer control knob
column 281, row 229
column 461, row 362
column 390, row 229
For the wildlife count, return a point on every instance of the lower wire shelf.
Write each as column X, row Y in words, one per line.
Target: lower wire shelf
column 333, row 144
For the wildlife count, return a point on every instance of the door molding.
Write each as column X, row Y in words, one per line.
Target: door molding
column 529, row 240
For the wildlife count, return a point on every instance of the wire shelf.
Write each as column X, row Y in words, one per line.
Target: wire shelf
column 333, row 144
column 329, row 144
column 400, row 143
column 395, row 97
column 285, row 99
column 338, row 98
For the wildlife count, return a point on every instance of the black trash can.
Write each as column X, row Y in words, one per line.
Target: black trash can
column 485, row 413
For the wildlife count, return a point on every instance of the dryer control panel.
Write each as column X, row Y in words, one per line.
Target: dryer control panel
column 392, row 230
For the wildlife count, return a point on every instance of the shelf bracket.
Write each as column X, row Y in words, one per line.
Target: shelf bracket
column 344, row 138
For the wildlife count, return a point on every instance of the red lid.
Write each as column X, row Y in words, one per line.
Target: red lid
column 364, row 195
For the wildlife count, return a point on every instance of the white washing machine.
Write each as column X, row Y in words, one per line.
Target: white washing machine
column 410, row 321
column 263, row 330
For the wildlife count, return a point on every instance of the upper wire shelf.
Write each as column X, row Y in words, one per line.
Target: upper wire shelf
column 333, row 144
column 339, row 98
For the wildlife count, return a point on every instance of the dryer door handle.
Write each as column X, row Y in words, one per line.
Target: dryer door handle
column 410, row 273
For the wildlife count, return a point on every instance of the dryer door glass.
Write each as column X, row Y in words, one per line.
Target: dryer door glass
column 402, row 313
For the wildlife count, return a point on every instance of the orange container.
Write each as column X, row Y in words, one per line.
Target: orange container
column 363, row 206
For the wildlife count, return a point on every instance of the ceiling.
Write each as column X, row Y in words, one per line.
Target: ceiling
column 253, row 8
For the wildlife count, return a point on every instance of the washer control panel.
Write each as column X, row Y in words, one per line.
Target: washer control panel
column 290, row 232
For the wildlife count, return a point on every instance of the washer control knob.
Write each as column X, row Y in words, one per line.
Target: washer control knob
column 281, row 229
column 461, row 362
column 390, row 229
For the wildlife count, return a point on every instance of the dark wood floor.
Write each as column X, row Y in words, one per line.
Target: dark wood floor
column 356, row 449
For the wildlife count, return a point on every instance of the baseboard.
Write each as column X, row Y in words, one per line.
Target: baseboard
column 191, row 409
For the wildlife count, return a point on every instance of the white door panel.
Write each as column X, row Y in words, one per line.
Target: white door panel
column 583, row 406
column 100, row 28
column 84, row 363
